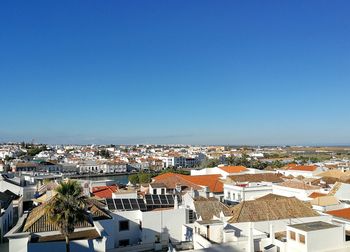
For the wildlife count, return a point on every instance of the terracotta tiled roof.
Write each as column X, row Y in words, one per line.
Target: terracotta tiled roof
column 173, row 179
column 324, row 181
column 288, row 166
column 271, row 196
column 316, row 195
column 157, row 185
column 271, row 208
column 297, row 184
column 207, row 209
column 233, row 169
column 341, row 213
column 302, row 168
column 27, row 164
column 212, row 181
column 104, row 192
column 332, row 173
column 38, row 218
column 38, row 221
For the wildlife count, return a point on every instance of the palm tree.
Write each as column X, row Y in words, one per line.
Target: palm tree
column 67, row 208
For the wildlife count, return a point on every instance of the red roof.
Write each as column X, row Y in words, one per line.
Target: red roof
column 341, row 213
column 233, row 169
column 315, row 195
column 302, row 167
column 104, row 191
column 212, row 181
column 172, row 179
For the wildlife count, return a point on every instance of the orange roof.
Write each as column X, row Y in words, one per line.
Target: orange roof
column 104, row 191
column 233, row 169
column 341, row 213
column 212, row 181
column 302, row 167
column 171, row 179
column 315, row 195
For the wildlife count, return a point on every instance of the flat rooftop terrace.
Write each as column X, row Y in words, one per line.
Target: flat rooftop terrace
column 313, row 226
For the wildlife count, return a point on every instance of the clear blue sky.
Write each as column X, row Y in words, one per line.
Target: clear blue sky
column 197, row 72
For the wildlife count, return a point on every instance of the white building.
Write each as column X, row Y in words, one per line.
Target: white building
column 257, row 225
column 157, row 188
column 316, row 236
column 101, row 167
column 223, row 170
column 6, row 213
column 147, row 230
column 248, row 186
column 178, row 161
column 33, row 232
column 18, row 187
column 246, row 191
column 307, row 171
column 295, row 188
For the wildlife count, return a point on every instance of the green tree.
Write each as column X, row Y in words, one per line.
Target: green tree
column 144, row 178
column 134, row 179
column 140, row 178
column 210, row 163
column 104, row 153
column 277, row 164
column 67, row 208
column 173, row 170
column 32, row 151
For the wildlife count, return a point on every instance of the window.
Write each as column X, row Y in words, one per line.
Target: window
column 292, row 235
column 123, row 225
column 162, row 191
column 154, row 191
column 123, row 243
column 191, row 216
column 302, row 238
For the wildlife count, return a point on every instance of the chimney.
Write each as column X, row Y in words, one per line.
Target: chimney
column 207, row 191
column 272, row 234
column 178, row 187
column 250, row 238
column 176, row 203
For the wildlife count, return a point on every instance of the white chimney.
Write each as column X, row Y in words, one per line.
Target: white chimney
column 250, row 238
column 272, row 234
column 176, row 203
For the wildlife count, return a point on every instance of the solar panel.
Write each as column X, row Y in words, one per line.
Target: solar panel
column 142, row 204
column 134, row 204
column 110, row 204
column 118, row 204
column 163, row 200
column 170, row 199
column 149, row 200
column 126, row 203
column 156, row 199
